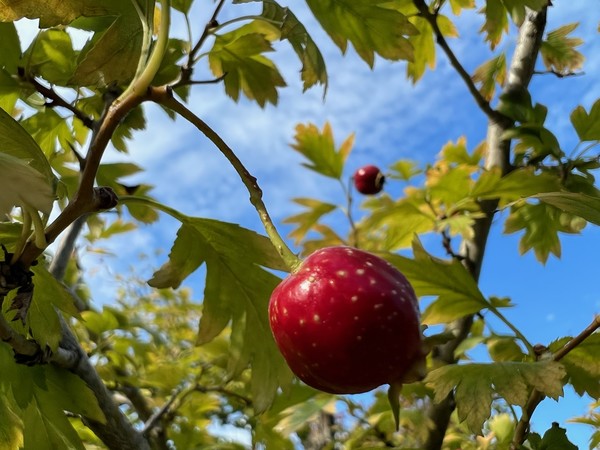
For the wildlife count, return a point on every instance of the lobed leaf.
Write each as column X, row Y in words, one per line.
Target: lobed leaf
column 558, row 50
column 236, row 292
column 587, row 125
column 319, row 148
column 369, row 25
column 237, row 56
column 306, row 220
column 456, row 290
column 581, row 205
column 474, row 386
column 489, row 74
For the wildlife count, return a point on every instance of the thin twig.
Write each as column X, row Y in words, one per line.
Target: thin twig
column 558, row 74
column 57, row 100
column 483, row 104
column 158, row 415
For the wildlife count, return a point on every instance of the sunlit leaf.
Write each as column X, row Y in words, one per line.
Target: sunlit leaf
column 319, row 148
column 11, row 425
column 313, row 65
column 582, row 364
column 587, row 124
column 50, row 13
column 10, row 47
column 237, row 290
column 496, row 22
column 474, row 386
column 541, row 224
column 238, row 56
column 112, row 55
column 581, row 205
column 424, row 45
column 368, row 25
column 306, row 220
column 51, row 56
column 489, row 74
column 456, row 290
column 558, row 50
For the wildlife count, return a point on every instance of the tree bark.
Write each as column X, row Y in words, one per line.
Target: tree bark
column 520, row 72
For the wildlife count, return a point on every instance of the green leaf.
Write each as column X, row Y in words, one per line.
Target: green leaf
column 456, row 290
column 21, row 185
column 48, row 429
column 555, row 438
column 587, row 125
column 474, row 386
column 558, row 50
column 313, row 65
column 459, row 5
column 541, row 222
column 504, row 349
column 237, row 56
column 237, row 291
column 582, row 364
column 50, row 13
column 399, row 223
column 496, row 22
column 48, row 129
column 520, row 183
column 404, row 170
column 424, row 49
column 489, row 74
column 580, row 205
column 369, row 25
column 48, row 296
column 16, row 141
column 10, row 47
column 319, row 148
column 307, row 219
column 112, row 55
column 11, row 425
column 51, row 56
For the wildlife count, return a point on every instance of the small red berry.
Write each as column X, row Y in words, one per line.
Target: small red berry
column 369, row 180
column 347, row 321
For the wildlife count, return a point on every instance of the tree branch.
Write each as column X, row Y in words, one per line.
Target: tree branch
column 497, row 157
column 483, row 104
column 57, row 100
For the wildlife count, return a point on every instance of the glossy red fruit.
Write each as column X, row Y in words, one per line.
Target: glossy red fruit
column 346, row 321
column 369, row 180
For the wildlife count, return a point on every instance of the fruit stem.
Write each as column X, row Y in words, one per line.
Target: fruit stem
column 514, row 329
column 165, row 98
column 353, row 230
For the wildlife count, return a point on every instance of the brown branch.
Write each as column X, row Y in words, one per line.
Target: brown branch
column 57, row 100
column 187, row 70
column 483, row 104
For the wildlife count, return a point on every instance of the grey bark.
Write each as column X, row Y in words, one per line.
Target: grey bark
column 521, row 70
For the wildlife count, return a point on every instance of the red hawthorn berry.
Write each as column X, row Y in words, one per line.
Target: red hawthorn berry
column 347, row 321
column 369, row 180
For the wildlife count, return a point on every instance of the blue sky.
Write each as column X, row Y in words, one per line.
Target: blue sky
column 392, row 119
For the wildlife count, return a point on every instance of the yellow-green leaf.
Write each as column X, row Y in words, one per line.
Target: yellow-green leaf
column 496, row 22
column 369, row 25
column 558, row 50
column 474, row 385
column 306, row 220
column 587, row 125
column 489, row 74
column 457, row 292
column 319, row 148
column 238, row 56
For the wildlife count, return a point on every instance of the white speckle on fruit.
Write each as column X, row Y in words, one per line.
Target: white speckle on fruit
column 314, row 345
column 302, row 321
column 360, row 271
column 354, row 298
column 342, row 273
column 316, row 318
column 372, row 281
column 311, row 278
column 378, row 306
column 359, row 338
column 394, row 292
column 331, row 282
column 369, row 263
column 285, row 312
column 356, row 318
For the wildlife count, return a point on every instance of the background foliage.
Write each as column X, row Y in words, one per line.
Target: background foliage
column 157, row 368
